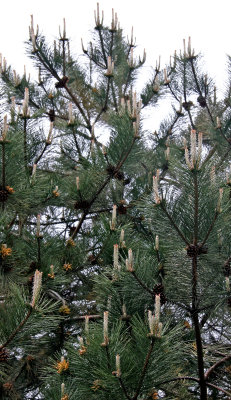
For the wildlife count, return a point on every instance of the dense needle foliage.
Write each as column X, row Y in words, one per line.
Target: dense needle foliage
column 114, row 241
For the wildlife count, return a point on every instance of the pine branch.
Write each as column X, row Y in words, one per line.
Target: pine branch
column 206, row 104
column 190, row 378
column 194, row 311
column 108, row 358
column 13, row 334
column 196, row 209
column 124, row 389
column 42, row 152
column 185, row 98
column 120, row 164
column 200, row 357
column 64, row 55
column 173, row 224
column 219, row 389
column 144, row 370
column 117, row 168
column 46, row 63
column 85, row 213
column 76, row 144
column 210, row 229
column 174, row 95
column 102, row 46
column 153, row 92
column 169, row 131
column 42, row 58
column 142, row 284
column 114, row 96
column 179, row 378
column 104, row 108
column 217, row 364
column 77, row 103
column 199, row 89
column 127, row 81
column 25, row 142
column 3, row 164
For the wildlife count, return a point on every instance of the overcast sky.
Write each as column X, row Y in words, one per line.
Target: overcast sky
column 159, row 27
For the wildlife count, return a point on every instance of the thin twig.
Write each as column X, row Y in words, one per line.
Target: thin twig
column 179, row 378
column 144, row 370
column 102, row 47
column 142, row 284
column 218, row 388
column 190, row 378
column 124, row 389
column 217, row 364
column 41, row 154
column 103, row 109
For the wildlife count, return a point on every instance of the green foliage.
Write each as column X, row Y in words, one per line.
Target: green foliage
column 122, row 223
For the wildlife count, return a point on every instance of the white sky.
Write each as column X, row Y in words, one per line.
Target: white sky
column 159, row 27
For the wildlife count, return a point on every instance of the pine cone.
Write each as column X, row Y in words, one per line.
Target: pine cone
column 110, row 169
column 187, row 105
column 81, row 205
column 159, row 289
column 3, row 194
column 193, row 250
column 202, row 250
column 119, row 175
column 127, row 181
column 33, row 266
column 201, row 100
column 6, row 267
column 61, row 83
column 92, row 259
column 229, row 301
column 122, row 209
column 226, row 268
column 3, row 355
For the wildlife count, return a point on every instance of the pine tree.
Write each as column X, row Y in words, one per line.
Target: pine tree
column 114, row 242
